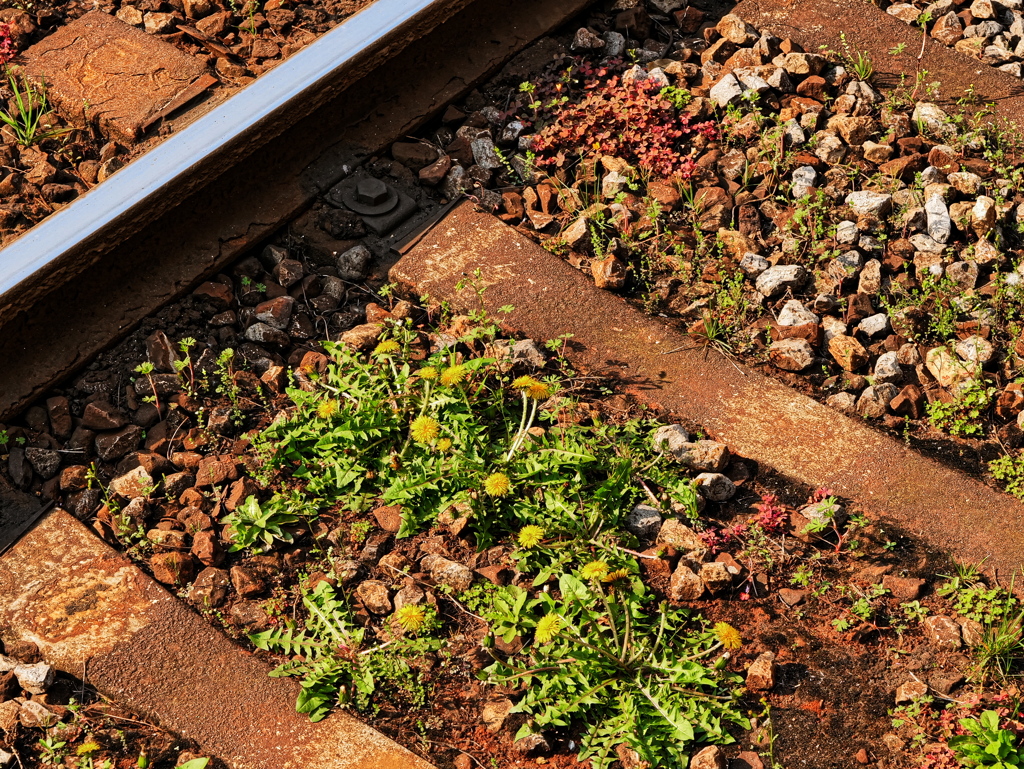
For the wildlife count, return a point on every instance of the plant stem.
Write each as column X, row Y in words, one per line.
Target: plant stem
column 156, row 398
column 611, row 617
column 523, row 428
column 515, row 437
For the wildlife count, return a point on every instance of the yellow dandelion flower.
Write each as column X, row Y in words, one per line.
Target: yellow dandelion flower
column 617, row 576
column 424, row 429
column 387, row 347
column 531, row 387
column 530, row 536
column 497, row 485
column 427, row 372
column 327, row 409
column 88, row 748
column 539, row 391
column 594, row 570
column 547, row 628
column 411, row 617
column 444, row 444
column 727, row 635
column 453, row 375
column 524, row 383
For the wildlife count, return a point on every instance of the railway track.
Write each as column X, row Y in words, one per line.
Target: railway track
column 76, row 237
column 84, row 278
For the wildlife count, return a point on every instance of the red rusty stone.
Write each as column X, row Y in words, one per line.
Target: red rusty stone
column 59, row 412
column 1010, row 401
column 100, row 415
column 214, row 471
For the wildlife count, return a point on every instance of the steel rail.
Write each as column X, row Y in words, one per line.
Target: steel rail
column 94, row 294
column 177, row 161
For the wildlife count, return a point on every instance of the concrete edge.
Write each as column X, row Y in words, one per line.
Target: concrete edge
column 758, row 417
column 96, row 616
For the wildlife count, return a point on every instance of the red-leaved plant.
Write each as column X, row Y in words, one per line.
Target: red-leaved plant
column 632, row 122
column 7, row 48
column 771, row 518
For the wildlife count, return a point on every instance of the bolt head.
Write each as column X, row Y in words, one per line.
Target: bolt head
column 371, row 192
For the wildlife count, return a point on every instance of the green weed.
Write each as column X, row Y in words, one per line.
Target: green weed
column 1009, row 470
column 459, row 432
column 963, row 416
column 30, row 107
column 973, row 599
column 1000, row 648
column 986, row 743
column 256, row 526
column 339, row 664
column 633, row 674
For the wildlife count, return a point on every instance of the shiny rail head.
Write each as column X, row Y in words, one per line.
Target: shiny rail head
column 270, row 97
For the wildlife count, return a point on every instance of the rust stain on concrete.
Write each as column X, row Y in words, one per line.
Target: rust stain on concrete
column 758, row 417
column 71, row 595
column 94, row 613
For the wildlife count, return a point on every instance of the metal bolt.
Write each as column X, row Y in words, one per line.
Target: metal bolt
column 371, row 192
